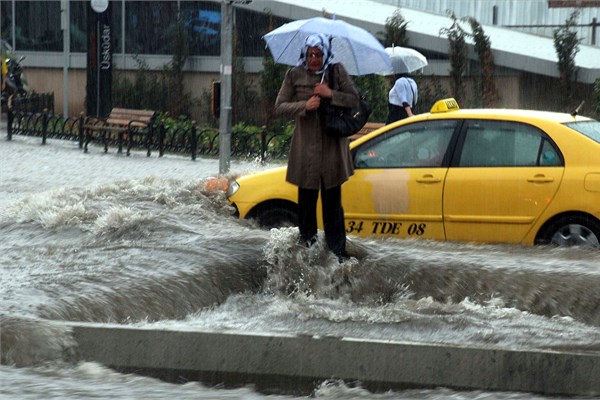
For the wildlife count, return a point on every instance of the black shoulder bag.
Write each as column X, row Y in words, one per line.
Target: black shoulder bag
column 343, row 121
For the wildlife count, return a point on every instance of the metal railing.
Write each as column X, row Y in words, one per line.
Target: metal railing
column 34, row 116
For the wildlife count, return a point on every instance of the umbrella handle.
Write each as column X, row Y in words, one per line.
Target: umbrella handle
column 323, row 74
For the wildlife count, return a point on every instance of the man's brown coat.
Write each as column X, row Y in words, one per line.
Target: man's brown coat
column 315, row 157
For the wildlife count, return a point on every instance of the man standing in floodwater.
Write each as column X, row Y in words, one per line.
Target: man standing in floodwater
column 317, row 161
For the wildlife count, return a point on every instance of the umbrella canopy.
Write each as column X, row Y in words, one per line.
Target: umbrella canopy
column 405, row 60
column 359, row 51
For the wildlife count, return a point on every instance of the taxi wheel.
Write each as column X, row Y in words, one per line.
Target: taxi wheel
column 275, row 216
column 572, row 230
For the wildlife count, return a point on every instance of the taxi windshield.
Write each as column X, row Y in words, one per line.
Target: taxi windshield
column 590, row 129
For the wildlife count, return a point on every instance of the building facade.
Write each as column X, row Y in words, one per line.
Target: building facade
column 56, row 61
column 539, row 17
column 52, row 35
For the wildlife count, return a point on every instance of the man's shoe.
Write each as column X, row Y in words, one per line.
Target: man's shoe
column 309, row 242
column 341, row 257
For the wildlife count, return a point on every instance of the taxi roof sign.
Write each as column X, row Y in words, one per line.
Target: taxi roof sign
column 445, row 105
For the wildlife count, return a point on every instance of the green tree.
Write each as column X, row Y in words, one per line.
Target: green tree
column 566, row 44
column 457, row 53
column 374, row 89
column 244, row 97
column 271, row 77
column 487, row 84
column 395, row 30
column 270, row 81
column 157, row 90
column 178, row 101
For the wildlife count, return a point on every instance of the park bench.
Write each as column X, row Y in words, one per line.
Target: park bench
column 123, row 125
column 368, row 128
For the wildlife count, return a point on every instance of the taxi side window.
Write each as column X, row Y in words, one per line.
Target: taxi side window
column 422, row 144
column 549, row 156
column 505, row 144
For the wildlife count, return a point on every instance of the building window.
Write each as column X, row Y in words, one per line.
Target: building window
column 6, row 21
column 202, row 21
column 149, row 26
column 573, row 3
column 78, row 28
column 37, row 26
column 250, row 27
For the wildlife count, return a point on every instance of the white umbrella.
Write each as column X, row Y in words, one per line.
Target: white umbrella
column 405, row 60
column 357, row 49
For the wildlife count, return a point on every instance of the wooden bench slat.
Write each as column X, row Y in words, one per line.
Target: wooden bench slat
column 126, row 122
column 130, row 116
column 106, row 128
column 132, row 112
column 117, row 121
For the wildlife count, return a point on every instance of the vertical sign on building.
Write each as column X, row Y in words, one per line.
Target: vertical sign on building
column 99, row 59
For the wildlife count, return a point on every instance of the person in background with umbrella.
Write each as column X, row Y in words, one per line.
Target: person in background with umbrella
column 404, row 94
column 317, row 161
column 402, row 98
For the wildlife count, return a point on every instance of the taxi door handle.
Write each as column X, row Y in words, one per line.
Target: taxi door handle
column 428, row 179
column 540, row 179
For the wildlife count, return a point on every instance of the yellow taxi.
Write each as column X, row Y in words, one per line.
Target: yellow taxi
column 477, row 175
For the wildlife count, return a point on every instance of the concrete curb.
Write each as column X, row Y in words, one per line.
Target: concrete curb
column 289, row 361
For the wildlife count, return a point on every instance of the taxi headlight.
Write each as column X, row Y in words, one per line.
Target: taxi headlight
column 232, row 188
column 220, row 183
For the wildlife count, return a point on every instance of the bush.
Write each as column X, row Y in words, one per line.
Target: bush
column 374, row 88
column 596, row 105
column 430, row 91
column 162, row 90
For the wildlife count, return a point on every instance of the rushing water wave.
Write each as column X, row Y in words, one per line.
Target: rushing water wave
column 155, row 250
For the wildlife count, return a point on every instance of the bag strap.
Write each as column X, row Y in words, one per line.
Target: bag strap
column 414, row 103
column 332, row 81
column 331, row 77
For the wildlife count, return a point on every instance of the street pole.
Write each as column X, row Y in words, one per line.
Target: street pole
column 226, row 71
column 64, row 25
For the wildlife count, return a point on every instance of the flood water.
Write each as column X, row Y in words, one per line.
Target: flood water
column 138, row 241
